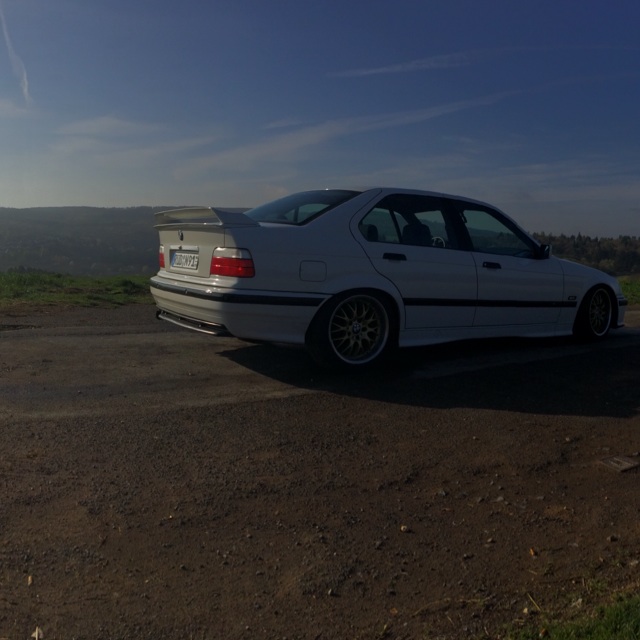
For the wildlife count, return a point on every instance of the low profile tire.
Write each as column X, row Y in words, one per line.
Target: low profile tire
column 595, row 315
column 354, row 329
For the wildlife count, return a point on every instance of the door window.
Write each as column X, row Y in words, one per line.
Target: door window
column 380, row 225
column 410, row 220
column 490, row 234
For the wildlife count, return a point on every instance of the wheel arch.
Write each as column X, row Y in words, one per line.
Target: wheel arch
column 356, row 327
column 396, row 315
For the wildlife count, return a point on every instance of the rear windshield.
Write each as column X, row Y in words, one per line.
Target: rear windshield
column 299, row 208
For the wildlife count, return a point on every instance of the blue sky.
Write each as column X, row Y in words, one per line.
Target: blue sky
column 533, row 106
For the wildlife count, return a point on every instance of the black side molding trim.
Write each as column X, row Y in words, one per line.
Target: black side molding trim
column 517, row 304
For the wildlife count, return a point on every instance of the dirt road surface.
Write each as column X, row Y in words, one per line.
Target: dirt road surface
column 156, row 483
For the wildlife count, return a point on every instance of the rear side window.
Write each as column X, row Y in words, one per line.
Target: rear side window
column 299, row 208
column 412, row 220
column 381, row 225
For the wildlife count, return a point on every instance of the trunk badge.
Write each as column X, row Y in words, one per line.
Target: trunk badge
column 181, row 235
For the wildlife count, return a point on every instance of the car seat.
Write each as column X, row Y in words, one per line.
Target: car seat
column 418, row 234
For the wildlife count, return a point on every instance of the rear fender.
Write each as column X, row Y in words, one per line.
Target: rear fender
column 373, row 284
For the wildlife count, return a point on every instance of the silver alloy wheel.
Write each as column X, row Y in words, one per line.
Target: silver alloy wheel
column 599, row 312
column 358, row 329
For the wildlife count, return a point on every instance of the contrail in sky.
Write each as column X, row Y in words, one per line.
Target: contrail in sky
column 18, row 66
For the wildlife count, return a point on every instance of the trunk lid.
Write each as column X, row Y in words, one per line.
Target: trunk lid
column 189, row 236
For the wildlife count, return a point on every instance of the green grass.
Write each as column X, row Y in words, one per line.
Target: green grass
column 631, row 288
column 39, row 288
column 618, row 621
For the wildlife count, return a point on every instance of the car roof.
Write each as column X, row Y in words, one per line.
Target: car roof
column 422, row 192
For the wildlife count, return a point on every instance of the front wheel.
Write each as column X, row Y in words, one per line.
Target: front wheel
column 353, row 329
column 595, row 315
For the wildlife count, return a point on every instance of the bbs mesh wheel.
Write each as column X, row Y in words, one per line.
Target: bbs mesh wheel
column 353, row 329
column 595, row 315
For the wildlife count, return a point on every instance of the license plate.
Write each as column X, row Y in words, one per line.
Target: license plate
column 181, row 260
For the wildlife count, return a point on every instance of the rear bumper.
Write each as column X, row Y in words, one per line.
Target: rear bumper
column 247, row 314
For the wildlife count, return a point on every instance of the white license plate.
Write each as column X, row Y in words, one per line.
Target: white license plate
column 182, row 260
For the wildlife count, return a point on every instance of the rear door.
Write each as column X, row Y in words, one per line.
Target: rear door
column 410, row 240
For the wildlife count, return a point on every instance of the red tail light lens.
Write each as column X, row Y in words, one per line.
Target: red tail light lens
column 161, row 256
column 235, row 263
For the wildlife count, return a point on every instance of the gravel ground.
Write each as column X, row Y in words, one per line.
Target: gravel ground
column 156, row 483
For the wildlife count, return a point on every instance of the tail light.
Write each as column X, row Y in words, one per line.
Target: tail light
column 229, row 261
column 161, row 256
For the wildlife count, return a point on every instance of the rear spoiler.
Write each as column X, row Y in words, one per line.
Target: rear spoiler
column 205, row 215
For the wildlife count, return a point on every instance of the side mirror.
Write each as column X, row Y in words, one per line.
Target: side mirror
column 544, row 251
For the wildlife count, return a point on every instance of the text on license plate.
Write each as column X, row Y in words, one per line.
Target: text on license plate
column 184, row 260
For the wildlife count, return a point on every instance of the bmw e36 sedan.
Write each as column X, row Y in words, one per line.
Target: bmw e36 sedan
column 353, row 274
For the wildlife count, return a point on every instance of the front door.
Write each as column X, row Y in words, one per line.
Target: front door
column 515, row 285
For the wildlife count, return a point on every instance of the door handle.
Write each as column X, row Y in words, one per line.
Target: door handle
column 394, row 256
column 492, row 265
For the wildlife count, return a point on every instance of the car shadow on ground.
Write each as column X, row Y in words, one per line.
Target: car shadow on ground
column 555, row 377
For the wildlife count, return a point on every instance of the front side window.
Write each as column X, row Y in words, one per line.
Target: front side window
column 491, row 234
column 299, row 208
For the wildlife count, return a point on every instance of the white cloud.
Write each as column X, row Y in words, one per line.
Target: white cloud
column 283, row 146
column 107, row 126
column 170, row 150
column 9, row 109
column 109, row 146
column 285, row 123
column 446, row 61
column 465, row 58
column 17, row 65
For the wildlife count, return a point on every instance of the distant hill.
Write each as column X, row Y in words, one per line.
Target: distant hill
column 96, row 241
column 80, row 240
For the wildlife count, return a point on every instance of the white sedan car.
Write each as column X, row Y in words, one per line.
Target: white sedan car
column 352, row 274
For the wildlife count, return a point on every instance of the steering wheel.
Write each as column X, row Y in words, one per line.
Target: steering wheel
column 437, row 241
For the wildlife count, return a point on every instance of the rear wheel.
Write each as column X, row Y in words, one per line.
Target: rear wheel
column 354, row 329
column 595, row 315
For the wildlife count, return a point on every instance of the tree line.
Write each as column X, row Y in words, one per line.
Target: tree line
column 616, row 256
